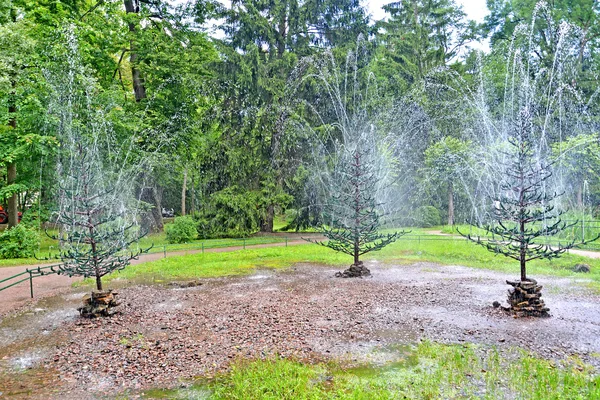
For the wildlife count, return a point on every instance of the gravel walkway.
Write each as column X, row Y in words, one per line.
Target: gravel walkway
column 167, row 334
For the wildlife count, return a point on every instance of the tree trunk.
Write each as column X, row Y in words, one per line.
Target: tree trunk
column 267, row 225
column 139, row 89
column 183, row 190
column 13, row 210
column 11, row 169
column 450, row 204
column 152, row 220
column 193, row 194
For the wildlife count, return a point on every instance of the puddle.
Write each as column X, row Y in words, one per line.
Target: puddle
column 398, row 357
column 49, row 314
column 258, row 277
column 27, row 360
column 194, row 392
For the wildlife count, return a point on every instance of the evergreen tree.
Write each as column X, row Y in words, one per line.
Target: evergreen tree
column 523, row 211
column 352, row 216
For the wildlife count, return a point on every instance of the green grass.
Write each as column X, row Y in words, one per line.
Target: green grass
column 157, row 243
column 445, row 251
column 575, row 233
column 229, row 263
column 435, row 371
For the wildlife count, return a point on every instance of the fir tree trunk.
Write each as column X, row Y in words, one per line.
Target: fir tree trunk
column 450, row 204
column 183, row 190
column 99, row 283
column 267, row 225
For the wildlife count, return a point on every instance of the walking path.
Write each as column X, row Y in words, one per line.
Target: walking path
column 18, row 295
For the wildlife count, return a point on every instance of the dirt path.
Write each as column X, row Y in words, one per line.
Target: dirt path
column 584, row 253
column 168, row 334
column 19, row 295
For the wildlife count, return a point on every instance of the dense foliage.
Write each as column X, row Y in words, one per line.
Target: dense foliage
column 237, row 126
column 182, row 230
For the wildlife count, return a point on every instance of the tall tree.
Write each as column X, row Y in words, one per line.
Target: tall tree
column 420, row 36
column 21, row 97
column 543, row 22
column 263, row 43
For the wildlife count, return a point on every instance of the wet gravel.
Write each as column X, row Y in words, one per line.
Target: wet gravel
column 167, row 334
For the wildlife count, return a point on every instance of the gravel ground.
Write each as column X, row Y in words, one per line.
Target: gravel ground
column 165, row 335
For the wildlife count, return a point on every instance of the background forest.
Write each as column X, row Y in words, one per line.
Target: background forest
column 236, row 128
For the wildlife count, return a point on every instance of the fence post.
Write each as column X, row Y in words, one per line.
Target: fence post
column 244, row 243
column 30, row 283
column 202, row 247
column 165, row 251
column 286, row 241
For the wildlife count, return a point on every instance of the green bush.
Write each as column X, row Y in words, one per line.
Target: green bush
column 428, row 216
column 18, row 242
column 230, row 213
column 182, row 230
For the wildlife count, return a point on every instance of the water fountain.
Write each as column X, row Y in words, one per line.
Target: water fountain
column 97, row 213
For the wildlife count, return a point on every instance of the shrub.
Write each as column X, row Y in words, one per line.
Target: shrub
column 230, row 213
column 182, row 230
column 18, row 242
column 428, row 216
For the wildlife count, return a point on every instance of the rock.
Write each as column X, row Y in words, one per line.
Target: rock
column 354, row 271
column 98, row 304
column 496, row 304
column 582, row 268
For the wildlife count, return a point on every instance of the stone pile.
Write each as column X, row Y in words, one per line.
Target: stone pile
column 524, row 299
column 354, row 271
column 98, row 304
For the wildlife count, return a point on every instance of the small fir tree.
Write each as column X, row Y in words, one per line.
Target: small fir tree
column 96, row 231
column 352, row 213
column 524, row 214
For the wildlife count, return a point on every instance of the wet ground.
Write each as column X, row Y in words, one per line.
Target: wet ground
column 169, row 334
column 45, row 286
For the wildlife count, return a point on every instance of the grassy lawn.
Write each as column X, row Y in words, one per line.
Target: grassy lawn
column 48, row 248
column 229, row 263
column 430, row 248
column 574, row 233
column 426, row 371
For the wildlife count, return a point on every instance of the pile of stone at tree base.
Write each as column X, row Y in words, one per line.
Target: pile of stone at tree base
column 98, row 304
column 525, row 300
column 355, row 271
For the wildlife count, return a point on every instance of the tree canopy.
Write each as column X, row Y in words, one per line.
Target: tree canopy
column 226, row 124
